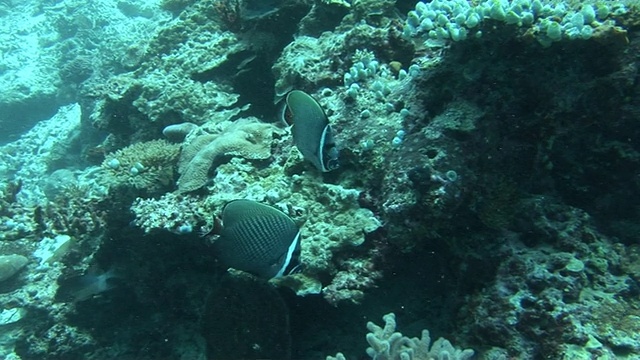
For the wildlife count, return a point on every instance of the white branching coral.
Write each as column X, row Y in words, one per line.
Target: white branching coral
column 388, row 344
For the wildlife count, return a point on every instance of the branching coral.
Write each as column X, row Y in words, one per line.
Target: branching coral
column 75, row 211
column 387, row 344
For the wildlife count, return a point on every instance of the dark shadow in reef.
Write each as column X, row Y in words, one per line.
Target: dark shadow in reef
column 420, row 288
column 559, row 121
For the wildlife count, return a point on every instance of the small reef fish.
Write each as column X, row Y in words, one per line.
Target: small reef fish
column 258, row 239
column 83, row 287
column 311, row 131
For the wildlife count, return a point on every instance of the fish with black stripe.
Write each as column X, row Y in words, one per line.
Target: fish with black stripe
column 258, row 239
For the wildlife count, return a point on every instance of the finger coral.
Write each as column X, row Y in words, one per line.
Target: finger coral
column 387, row 344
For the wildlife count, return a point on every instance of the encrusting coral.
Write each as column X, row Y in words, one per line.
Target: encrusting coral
column 178, row 213
column 247, row 138
column 328, row 238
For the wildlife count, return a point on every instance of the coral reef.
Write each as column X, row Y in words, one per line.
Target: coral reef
column 178, row 213
column 54, row 42
column 554, row 302
column 487, row 186
column 387, row 344
column 189, row 84
column 325, row 235
column 546, row 21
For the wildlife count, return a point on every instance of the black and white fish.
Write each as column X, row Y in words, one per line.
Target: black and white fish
column 258, row 239
column 311, row 131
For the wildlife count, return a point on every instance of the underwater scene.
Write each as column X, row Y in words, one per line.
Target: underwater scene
column 319, row 179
